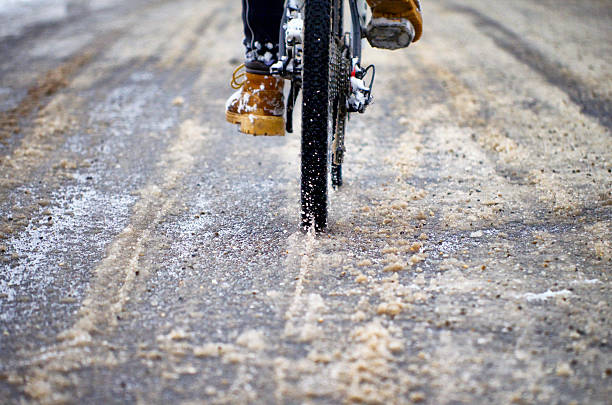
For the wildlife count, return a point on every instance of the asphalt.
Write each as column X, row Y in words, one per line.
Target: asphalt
column 150, row 253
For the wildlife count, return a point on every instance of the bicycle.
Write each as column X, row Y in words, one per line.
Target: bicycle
column 323, row 60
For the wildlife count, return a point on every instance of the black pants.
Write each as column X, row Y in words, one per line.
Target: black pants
column 261, row 19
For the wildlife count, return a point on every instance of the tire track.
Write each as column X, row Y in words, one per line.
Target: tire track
column 179, row 48
column 121, row 272
column 38, row 95
column 56, row 116
column 115, row 277
column 352, row 352
column 513, row 137
column 555, row 73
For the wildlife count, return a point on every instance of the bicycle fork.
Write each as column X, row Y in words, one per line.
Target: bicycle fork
column 289, row 66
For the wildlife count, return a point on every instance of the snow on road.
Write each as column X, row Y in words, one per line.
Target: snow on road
column 151, row 254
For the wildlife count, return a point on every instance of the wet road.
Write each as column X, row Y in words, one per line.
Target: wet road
column 150, row 253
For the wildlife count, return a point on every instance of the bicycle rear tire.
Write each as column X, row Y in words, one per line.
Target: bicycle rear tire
column 316, row 113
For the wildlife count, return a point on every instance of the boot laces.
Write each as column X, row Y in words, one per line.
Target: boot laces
column 238, row 77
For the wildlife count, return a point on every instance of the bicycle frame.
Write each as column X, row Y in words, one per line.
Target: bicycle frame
column 289, row 65
column 358, row 10
column 358, row 24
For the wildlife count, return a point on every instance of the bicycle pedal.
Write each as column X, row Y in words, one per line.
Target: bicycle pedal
column 388, row 33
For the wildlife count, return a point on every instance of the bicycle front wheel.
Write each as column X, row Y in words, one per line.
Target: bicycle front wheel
column 316, row 113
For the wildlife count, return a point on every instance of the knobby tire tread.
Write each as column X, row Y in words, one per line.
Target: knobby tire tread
column 315, row 113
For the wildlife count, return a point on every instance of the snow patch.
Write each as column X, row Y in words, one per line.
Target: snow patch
column 591, row 281
column 253, row 340
column 546, row 295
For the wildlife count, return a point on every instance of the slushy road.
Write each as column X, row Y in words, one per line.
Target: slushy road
column 151, row 254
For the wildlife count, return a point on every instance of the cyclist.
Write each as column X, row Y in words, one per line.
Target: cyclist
column 258, row 105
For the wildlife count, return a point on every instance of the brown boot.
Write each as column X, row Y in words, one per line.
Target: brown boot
column 395, row 23
column 258, row 106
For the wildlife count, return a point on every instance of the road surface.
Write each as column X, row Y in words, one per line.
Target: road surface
column 151, row 254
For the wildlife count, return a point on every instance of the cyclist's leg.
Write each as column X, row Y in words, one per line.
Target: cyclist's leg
column 261, row 20
column 258, row 107
column 395, row 23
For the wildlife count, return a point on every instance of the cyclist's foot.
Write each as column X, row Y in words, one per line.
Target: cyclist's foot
column 258, row 106
column 395, row 23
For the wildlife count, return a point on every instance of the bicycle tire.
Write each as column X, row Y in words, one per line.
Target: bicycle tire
column 316, row 113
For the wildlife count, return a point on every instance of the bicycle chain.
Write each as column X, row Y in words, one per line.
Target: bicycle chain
column 335, row 73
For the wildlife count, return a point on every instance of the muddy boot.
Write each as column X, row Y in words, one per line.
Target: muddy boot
column 395, row 23
column 258, row 105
